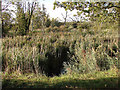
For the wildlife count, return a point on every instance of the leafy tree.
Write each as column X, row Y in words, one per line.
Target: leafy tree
column 55, row 22
column 47, row 21
column 36, row 18
column 21, row 20
column 101, row 12
column 40, row 18
column 6, row 22
column 6, row 18
column 24, row 16
column 92, row 9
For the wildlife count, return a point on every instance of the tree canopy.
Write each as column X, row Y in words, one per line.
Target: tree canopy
column 92, row 9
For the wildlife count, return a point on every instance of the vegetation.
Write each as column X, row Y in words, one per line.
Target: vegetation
column 83, row 54
column 106, row 79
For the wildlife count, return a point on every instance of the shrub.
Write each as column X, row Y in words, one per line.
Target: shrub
column 48, row 29
column 104, row 61
column 62, row 28
column 47, row 23
column 55, row 29
column 55, row 22
column 83, row 61
column 84, row 25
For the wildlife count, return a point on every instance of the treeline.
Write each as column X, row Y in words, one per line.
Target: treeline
column 30, row 15
column 25, row 18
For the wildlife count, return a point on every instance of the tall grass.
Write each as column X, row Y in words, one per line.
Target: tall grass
column 78, row 50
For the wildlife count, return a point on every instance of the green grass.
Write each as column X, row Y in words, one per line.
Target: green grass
column 102, row 79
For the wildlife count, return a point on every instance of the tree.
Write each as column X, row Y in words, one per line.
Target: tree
column 21, row 20
column 47, row 21
column 31, row 8
column 24, row 16
column 91, row 9
column 6, row 17
column 55, row 22
column 65, row 17
column 6, row 23
column 96, row 10
column 40, row 18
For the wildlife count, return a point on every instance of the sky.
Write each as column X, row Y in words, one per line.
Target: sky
column 57, row 13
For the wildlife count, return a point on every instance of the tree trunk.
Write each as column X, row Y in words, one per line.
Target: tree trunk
column 30, row 11
column 119, row 39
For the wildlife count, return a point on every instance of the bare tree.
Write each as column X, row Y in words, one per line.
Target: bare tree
column 30, row 10
column 65, row 17
column 43, row 17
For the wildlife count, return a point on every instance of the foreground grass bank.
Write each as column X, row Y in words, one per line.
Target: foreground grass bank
column 102, row 79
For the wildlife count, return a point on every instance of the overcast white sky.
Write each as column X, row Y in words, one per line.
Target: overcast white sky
column 58, row 11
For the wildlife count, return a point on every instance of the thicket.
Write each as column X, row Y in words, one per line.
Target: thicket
column 56, row 53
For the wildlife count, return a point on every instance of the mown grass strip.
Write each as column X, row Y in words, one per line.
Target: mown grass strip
column 103, row 79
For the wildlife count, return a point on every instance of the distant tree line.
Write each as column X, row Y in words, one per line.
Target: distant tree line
column 28, row 16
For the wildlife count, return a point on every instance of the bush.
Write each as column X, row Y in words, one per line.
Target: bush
column 104, row 61
column 62, row 28
column 55, row 29
column 48, row 29
column 85, row 25
column 88, row 56
column 55, row 22
column 48, row 23
column 83, row 60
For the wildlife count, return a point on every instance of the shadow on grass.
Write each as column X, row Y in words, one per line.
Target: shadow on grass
column 15, row 83
column 97, row 83
column 72, row 83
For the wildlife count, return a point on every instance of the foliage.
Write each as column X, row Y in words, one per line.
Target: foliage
column 6, row 23
column 48, row 22
column 40, row 18
column 83, row 53
column 21, row 20
column 24, row 16
column 55, row 22
column 87, row 50
column 95, row 11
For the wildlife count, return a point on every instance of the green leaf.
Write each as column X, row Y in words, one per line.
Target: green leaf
column 54, row 7
column 66, row 9
column 13, row 3
column 75, row 3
